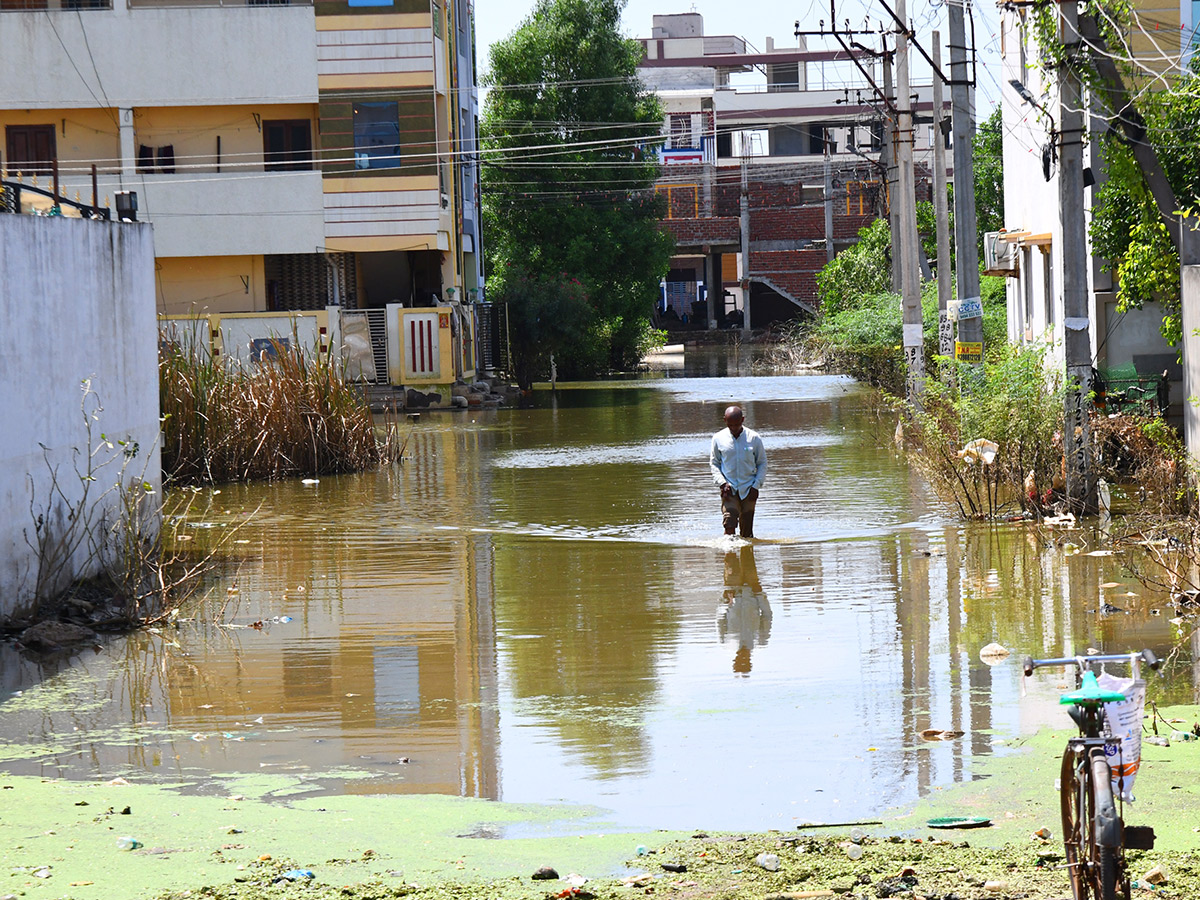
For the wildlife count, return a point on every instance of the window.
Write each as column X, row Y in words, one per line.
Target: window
column 22, row 4
column 1048, row 283
column 376, row 136
column 30, row 148
column 287, row 145
column 783, row 77
column 681, row 130
column 818, row 136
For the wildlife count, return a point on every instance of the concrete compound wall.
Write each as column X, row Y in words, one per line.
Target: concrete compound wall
column 78, row 303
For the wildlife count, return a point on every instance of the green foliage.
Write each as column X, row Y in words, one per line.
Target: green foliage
column 994, row 300
column 988, row 169
column 581, row 203
column 858, row 272
column 1127, row 230
column 1130, row 235
column 927, row 228
column 1012, row 401
column 547, row 316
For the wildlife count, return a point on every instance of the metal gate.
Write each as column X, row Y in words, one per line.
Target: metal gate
column 493, row 337
column 377, row 322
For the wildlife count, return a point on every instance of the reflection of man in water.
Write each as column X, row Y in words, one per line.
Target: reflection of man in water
column 745, row 612
column 739, row 467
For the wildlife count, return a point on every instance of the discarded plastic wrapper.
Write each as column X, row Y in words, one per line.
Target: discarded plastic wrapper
column 1124, row 720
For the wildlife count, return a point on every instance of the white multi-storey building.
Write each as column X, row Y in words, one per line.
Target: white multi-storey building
column 291, row 156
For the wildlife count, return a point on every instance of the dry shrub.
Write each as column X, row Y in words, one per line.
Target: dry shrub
column 1012, row 401
column 1147, row 454
column 290, row 415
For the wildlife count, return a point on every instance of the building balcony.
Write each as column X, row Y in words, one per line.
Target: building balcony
column 233, row 215
column 764, row 106
column 160, row 56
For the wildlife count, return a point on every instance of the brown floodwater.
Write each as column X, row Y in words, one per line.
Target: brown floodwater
column 537, row 605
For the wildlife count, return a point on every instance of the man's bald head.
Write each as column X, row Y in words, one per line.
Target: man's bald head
column 733, row 420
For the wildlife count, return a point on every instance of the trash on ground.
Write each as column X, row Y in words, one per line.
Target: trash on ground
column 294, row 875
column 1155, row 876
column 979, row 450
column 768, row 861
column 995, row 887
column 676, row 867
column 959, row 822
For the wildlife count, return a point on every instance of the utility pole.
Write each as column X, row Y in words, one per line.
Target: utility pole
column 906, row 255
column 889, row 158
column 945, row 335
column 1077, row 343
column 828, row 206
column 745, row 221
column 966, row 251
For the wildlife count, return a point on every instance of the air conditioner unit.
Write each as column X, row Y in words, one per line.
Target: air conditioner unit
column 999, row 256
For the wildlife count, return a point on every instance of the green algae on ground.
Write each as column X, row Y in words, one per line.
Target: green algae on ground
column 1017, row 790
column 233, row 838
column 190, row 840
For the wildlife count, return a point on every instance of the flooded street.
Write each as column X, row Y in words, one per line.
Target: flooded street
column 537, row 606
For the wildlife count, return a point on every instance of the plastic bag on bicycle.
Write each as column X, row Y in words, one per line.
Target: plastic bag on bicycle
column 1124, row 720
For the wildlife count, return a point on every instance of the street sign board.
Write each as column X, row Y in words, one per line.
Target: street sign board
column 968, row 351
column 970, row 308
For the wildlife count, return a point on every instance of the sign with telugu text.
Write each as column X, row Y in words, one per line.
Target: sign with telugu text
column 968, row 351
column 970, row 308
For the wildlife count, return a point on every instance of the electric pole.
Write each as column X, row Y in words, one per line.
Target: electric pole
column 828, row 206
column 744, row 209
column 889, row 158
column 966, row 252
column 906, row 255
column 1077, row 344
column 945, row 337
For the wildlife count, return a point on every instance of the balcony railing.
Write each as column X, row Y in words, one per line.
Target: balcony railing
column 49, row 5
column 204, row 4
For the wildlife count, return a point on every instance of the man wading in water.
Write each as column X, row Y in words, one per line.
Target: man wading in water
column 739, row 467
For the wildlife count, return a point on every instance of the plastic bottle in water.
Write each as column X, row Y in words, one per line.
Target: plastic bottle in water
column 128, row 843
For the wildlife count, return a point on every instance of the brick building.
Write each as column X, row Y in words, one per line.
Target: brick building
column 769, row 125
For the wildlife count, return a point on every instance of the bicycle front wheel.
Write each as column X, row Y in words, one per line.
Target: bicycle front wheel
column 1076, row 820
column 1108, row 873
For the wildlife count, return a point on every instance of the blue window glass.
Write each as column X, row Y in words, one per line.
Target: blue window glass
column 376, row 136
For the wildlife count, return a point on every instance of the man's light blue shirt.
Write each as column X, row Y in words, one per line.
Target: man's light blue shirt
column 739, row 461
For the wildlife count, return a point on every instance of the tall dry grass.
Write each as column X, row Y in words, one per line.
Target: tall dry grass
column 290, row 415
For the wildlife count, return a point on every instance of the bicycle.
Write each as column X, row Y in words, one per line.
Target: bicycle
column 1095, row 837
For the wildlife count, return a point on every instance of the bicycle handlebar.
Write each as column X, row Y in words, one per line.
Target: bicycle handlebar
column 1084, row 662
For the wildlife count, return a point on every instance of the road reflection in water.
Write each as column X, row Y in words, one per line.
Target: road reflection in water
column 525, row 610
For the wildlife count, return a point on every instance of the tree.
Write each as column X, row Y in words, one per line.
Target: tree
column 567, row 181
column 1127, row 229
column 547, row 316
column 858, row 272
column 988, row 164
